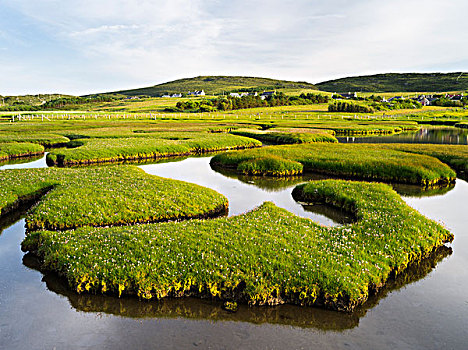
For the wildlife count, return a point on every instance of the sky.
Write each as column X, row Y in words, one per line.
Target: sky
column 87, row 46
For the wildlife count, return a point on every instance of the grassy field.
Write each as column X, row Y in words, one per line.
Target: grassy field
column 363, row 161
column 114, row 195
column 266, row 256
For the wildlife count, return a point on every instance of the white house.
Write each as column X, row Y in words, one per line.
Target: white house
column 196, row 93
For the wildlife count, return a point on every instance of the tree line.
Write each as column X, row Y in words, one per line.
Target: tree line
column 228, row 103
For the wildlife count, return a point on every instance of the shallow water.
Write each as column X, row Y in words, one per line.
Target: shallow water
column 453, row 136
column 426, row 308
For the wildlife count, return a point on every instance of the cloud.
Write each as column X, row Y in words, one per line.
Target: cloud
column 109, row 45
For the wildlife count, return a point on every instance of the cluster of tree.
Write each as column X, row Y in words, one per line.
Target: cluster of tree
column 232, row 103
column 19, row 108
column 342, row 106
column 445, row 102
column 67, row 101
column 58, row 103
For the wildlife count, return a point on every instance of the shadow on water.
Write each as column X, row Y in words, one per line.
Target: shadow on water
column 200, row 309
column 273, row 184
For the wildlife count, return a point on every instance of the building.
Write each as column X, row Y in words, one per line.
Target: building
column 176, row 95
column 266, row 94
column 196, row 93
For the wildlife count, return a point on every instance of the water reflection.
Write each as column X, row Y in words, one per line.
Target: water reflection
column 192, row 308
column 452, row 136
column 19, row 163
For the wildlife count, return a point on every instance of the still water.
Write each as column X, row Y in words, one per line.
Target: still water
column 426, row 308
column 453, row 136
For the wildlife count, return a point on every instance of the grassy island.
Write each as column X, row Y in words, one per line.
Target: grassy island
column 281, row 138
column 102, row 150
column 266, row 256
column 113, row 195
column 363, row 161
column 19, row 149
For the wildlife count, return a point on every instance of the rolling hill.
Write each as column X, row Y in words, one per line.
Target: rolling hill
column 399, row 82
column 213, row 85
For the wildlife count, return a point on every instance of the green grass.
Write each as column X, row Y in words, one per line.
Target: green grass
column 399, row 82
column 454, row 155
column 362, row 161
column 266, row 256
column 100, row 150
column 113, row 195
column 17, row 149
column 46, row 140
column 276, row 137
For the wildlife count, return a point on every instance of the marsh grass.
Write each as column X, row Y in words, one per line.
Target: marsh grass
column 19, row 149
column 281, row 138
column 113, row 195
column 266, row 256
column 101, row 150
column 362, row 161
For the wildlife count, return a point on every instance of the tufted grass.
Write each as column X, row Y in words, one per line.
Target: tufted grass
column 266, row 256
column 372, row 162
column 114, row 195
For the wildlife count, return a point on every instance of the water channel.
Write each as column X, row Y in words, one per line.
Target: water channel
column 425, row 308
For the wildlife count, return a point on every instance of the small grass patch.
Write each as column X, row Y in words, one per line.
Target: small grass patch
column 46, row 140
column 363, row 161
column 454, row 155
column 266, row 256
column 100, row 150
column 282, row 138
column 17, row 150
column 114, row 195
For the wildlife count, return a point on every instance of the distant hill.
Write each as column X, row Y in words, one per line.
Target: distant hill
column 399, row 82
column 213, row 85
column 30, row 100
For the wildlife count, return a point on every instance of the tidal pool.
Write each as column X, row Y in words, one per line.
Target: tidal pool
column 426, row 308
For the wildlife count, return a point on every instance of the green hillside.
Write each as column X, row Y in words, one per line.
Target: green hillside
column 213, row 85
column 399, row 82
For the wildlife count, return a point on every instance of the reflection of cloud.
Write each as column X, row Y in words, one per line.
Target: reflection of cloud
column 147, row 42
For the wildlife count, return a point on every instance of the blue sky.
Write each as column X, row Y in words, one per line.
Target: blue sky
column 85, row 46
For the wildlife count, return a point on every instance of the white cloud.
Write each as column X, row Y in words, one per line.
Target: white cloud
column 108, row 45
